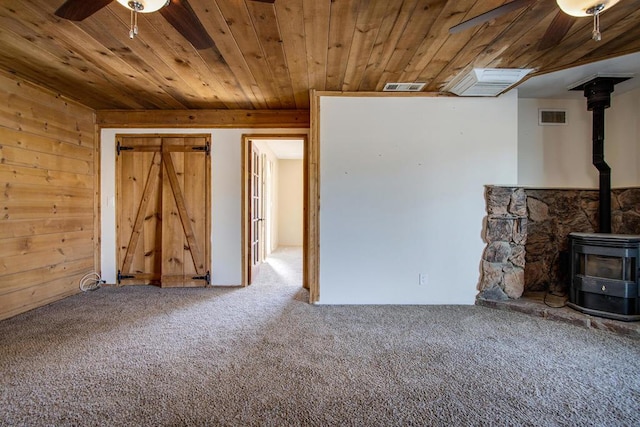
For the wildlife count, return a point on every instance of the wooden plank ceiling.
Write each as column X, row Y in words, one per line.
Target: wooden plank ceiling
column 268, row 56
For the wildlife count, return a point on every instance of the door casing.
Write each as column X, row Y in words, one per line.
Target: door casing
column 246, row 211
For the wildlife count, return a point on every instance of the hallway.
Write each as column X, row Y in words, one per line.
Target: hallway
column 282, row 268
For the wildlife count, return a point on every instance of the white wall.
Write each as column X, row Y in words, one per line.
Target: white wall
column 290, row 204
column 226, row 144
column 622, row 138
column 561, row 156
column 402, row 193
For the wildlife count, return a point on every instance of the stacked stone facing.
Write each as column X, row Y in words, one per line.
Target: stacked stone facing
column 503, row 260
column 531, row 227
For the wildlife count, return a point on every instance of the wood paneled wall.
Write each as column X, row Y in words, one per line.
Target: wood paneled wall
column 49, row 205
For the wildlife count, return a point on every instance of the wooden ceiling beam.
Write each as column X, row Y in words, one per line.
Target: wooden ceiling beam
column 203, row 119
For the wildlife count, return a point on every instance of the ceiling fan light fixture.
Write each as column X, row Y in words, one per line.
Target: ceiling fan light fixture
column 141, row 6
column 581, row 8
column 144, row 6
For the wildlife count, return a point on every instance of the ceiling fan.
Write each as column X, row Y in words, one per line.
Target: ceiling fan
column 562, row 22
column 177, row 12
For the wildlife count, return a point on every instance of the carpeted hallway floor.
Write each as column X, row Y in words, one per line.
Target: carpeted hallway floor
column 262, row 356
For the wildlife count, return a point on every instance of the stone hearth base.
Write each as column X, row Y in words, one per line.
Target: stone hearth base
column 526, row 231
column 532, row 303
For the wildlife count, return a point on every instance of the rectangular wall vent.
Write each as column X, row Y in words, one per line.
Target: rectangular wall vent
column 403, row 87
column 552, row 117
column 487, row 81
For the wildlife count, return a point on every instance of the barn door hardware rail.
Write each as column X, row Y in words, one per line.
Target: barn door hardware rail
column 206, row 277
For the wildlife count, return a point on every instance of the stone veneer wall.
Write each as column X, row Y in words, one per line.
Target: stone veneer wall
column 527, row 235
column 503, row 260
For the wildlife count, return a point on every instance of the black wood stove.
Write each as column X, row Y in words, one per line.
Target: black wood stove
column 605, row 275
column 604, row 266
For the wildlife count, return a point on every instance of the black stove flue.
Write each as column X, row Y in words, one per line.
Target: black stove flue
column 598, row 93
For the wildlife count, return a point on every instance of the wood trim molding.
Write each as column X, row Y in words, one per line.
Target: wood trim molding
column 312, row 208
column 202, row 118
column 97, row 203
column 244, row 211
column 245, row 154
column 385, row 95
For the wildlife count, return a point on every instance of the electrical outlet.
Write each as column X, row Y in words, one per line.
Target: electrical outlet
column 422, row 279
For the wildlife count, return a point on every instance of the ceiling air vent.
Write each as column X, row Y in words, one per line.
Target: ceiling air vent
column 552, row 117
column 487, row 81
column 403, row 87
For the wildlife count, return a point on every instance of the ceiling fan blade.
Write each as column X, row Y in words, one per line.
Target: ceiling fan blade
column 180, row 14
column 492, row 14
column 556, row 31
column 264, row 1
column 77, row 10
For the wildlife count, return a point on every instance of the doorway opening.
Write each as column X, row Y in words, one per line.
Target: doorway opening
column 273, row 194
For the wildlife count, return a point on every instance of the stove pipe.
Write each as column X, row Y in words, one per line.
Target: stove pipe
column 598, row 94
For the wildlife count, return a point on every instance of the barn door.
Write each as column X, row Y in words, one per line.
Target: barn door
column 163, row 210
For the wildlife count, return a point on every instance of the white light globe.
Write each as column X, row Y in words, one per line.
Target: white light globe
column 144, row 6
column 580, row 7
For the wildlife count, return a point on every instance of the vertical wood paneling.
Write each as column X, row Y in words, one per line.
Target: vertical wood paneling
column 173, row 253
column 47, row 170
column 138, row 201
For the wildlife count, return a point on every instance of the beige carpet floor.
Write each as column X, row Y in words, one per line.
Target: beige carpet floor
column 262, row 356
